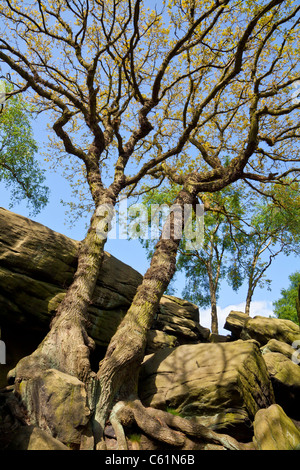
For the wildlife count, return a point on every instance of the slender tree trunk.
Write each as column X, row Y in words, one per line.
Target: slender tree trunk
column 118, row 372
column 67, row 346
column 298, row 304
column 214, row 315
column 248, row 301
column 213, row 299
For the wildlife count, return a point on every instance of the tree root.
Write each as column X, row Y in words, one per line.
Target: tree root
column 164, row 427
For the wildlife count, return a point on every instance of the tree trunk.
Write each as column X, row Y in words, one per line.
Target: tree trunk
column 298, row 304
column 214, row 316
column 67, row 346
column 248, row 301
column 213, row 283
column 118, row 372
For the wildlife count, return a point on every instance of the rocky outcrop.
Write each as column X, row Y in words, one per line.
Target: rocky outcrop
column 274, row 430
column 36, row 267
column 223, row 384
column 246, row 384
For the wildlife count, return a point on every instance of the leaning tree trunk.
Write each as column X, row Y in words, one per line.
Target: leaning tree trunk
column 67, row 345
column 118, row 371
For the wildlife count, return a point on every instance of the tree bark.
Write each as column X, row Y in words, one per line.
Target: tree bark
column 118, row 372
column 67, row 346
column 298, row 304
column 213, row 299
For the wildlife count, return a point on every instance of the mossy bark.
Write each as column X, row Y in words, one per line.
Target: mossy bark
column 67, row 345
column 118, row 372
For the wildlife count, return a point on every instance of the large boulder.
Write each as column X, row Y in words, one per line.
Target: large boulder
column 33, row 438
column 222, row 384
column 36, row 267
column 235, row 322
column 274, row 430
column 285, row 377
column 56, row 403
column 263, row 329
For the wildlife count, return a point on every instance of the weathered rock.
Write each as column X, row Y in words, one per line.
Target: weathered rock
column 180, row 318
column 33, row 438
column 235, row 322
column 56, row 403
column 274, row 430
column 157, row 339
column 36, row 267
column 264, row 329
column 285, row 376
column 278, row 346
column 223, row 384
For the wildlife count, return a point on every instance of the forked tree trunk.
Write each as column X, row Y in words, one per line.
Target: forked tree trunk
column 67, row 345
column 118, row 372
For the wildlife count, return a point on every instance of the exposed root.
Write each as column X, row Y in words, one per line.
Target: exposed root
column 118, row 427
column 165, row 427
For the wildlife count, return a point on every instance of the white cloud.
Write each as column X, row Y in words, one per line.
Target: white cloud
column 258, row 307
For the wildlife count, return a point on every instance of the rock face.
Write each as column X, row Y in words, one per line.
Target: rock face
column 274, row 430
column 246, row 384
column 223, row 385
column 36, row 267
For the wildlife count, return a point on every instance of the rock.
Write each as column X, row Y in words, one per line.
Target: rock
column 285, row 376
column 274, row 430
column 157, row 339
column 235, row 322
column 215, row 338
column 264, row 329
column 180, row 318
column 56, row 403
column 223, row 384
column 36, row 267
column 33, row 438
column 278, row 346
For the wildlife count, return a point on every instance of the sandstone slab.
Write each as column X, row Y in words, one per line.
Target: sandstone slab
column 222, row 384
column 274, row 430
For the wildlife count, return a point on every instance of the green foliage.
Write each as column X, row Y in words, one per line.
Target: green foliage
column 285, row 306
column 19, row 169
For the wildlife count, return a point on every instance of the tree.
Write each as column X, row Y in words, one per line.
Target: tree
column 216, row 259
column 178, row 100
column 273, row 229
column 286, row 306
column 19, row 168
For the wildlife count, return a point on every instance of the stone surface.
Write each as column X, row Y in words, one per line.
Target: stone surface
column 264, row 329
column 180, row 318
column 56, row 403
column 285, row 376
column 223, row 384
column 235, row 322
column 274, row 430
column 36, row 267
column 33, row 438
column 280, row 347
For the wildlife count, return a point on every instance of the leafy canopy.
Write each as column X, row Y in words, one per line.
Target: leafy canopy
column 285, row 306
column 19, row 168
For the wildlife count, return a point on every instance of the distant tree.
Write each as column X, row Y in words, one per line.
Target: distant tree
column 274, row 229
column 286, row 306
column 19, row 168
